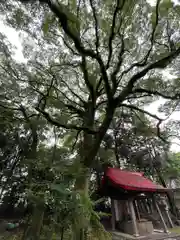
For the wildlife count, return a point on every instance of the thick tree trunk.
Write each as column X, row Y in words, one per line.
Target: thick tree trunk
column 33, row 231
column 88, row 152
column 81, row 185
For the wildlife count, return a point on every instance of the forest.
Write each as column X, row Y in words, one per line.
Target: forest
column 79, row 101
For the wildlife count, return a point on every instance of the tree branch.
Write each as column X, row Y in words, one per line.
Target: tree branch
column 160, row 120
column 69, row 47
column 112, row 35
column 46, row 96
column 156, row 93
column 69, row 89
column 136, row 97
column 86, row 77
column 33, row 128
column 143, row 62
column 172, row 46
column 162, row 63
column 141, row 110
column 162, row 44
column 118, row 65
column 66, row 126
column 7, row 107
column 66, row 105
column 56, row 9
column 153, row 32
column 96, row 25
column 76, row 140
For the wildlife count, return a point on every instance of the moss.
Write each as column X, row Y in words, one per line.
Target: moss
column 175, row 230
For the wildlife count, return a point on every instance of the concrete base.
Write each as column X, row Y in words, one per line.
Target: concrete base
column 144, row 227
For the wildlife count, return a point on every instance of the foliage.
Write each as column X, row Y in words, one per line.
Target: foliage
column 172, row 169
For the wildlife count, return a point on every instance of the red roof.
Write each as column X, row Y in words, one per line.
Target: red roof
column 133, row 181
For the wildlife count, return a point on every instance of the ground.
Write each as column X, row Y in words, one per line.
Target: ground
column 175, row 230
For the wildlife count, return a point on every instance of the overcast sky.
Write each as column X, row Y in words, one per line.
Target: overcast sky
column 14, row 38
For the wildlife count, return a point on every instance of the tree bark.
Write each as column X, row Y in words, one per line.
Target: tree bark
column 81, row 185
column 88, row 153
column 33, row 231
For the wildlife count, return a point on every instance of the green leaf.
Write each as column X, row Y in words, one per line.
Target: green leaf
column 165, row 6
column 19, row 16
column 73, row 4
column 59, row 188
column 69, row 139
column 49, row 19
column 45, row 26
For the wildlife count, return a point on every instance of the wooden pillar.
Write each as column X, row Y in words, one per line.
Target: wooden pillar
column 166, row 208
column 113, row 218
column 168, row 216
column 145, row 206
column 150, row 205
column 135, row 228
column 161, row 216
column 120, row 208
column 143, row 210
column 140, row 206
column 116, row 207
column 137, row 209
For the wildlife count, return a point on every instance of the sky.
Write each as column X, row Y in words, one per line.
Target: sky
column 14, row 38
column 153, row 108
